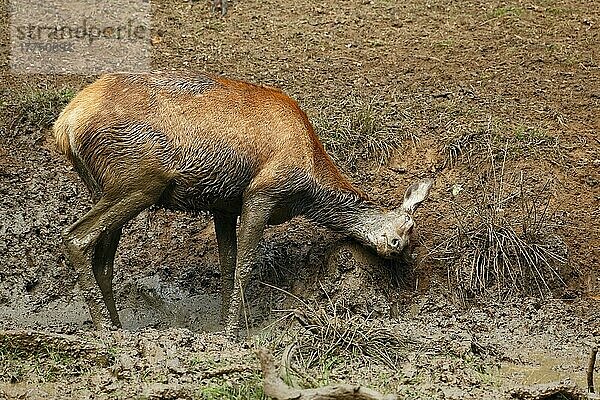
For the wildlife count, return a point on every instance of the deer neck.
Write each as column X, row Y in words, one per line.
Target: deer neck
column 346, row 212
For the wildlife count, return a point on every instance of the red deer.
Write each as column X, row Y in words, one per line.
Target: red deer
column 194, row 142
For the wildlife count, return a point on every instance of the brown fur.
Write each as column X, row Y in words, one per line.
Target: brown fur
column 260, row 122
column 193, row 142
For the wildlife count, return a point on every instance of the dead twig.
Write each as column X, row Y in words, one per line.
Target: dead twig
column 590, row 371
column 231, row 369
column 276, row 388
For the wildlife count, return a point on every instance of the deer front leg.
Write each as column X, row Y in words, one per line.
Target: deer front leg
column 227, row 242
column 255, row 214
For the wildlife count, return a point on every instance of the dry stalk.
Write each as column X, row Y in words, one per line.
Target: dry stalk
column 503, row 237
column 330, row 334
column 590, row 370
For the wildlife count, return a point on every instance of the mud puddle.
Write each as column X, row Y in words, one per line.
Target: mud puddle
column 146, row 302
column 150, row 302
column 542, row 367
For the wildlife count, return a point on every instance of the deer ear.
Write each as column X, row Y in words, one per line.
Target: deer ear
column 415, row 194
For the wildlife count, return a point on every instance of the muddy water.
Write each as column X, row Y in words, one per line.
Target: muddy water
column 143, row 303
column 61, row 312
column 542, row 367
column 151, row 302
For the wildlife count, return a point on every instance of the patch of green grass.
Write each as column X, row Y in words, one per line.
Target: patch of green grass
column 250, row 389
column 556, row 11
column 533, row 135
column 446, row 43
column 507, row 11
column 535, row 142
column 215, row 24
column 571, row 60
column 46, row 365
column 327, row 366
column 376, row 43
column 35, row 110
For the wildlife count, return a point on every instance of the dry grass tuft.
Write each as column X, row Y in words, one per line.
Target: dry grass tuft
column 474, row 143
column 503, row 239
column 358, row 128
column 337, row 332
column 331, row 341
column 35, row 110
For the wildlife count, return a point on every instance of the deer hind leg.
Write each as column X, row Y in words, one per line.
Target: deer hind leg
column 102, row 265
column 225, row 230
column 90, row 246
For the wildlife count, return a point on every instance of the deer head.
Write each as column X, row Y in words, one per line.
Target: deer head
column 392, row 232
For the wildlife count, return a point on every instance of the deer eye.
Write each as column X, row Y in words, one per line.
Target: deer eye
column 395, row 243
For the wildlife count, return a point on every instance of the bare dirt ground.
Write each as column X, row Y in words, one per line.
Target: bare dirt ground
column 450, row 88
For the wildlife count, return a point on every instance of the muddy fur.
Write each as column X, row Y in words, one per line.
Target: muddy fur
column 197, row 143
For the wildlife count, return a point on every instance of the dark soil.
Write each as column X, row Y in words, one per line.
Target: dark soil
column 448, row 73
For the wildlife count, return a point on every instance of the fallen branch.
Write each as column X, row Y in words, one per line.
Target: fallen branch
column 276, row 388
